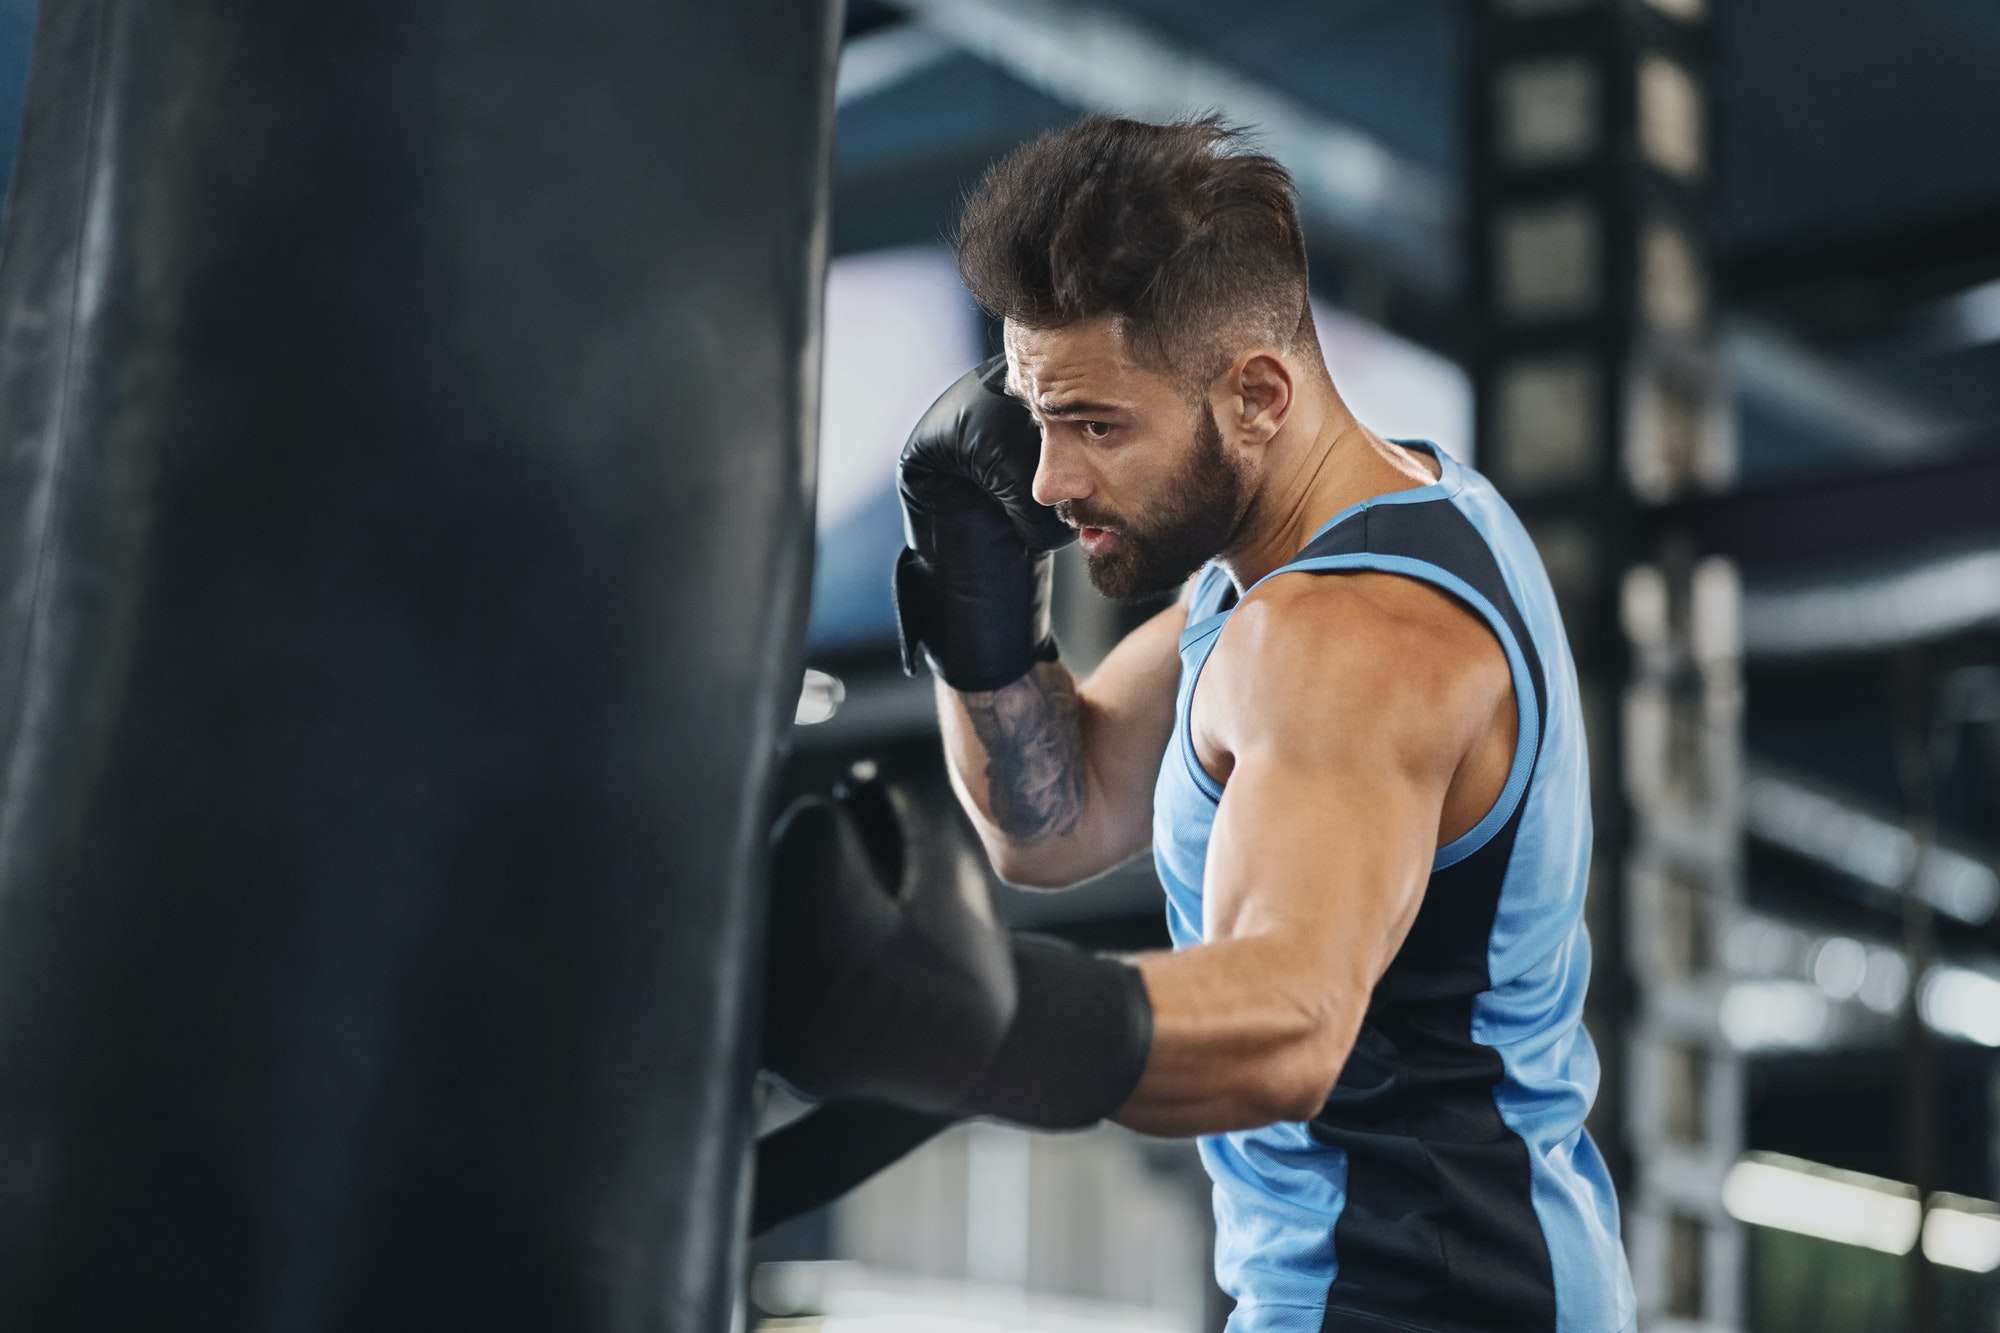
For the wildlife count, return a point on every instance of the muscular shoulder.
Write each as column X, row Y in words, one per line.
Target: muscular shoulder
column 1311, row 660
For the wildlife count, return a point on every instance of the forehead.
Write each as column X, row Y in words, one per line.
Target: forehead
column 1091, row 357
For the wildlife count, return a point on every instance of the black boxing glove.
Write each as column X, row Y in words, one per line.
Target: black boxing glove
column 1079, row 1040
column 890, row 980
column 972, row 587
column 887, row 976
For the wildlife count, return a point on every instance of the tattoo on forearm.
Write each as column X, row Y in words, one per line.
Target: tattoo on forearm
column 1033, row 734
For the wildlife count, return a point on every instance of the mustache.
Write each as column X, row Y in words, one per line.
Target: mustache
column 1080, row 516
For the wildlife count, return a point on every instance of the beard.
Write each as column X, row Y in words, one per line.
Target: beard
column 1155, row 553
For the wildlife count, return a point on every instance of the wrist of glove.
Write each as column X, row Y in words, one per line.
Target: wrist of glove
column 1069, row 1059
column 890, row 980
column 972, row 587
column 1078, row 1043
column 985, row 627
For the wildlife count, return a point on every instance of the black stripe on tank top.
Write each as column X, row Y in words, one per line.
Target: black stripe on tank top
column 1439, row 1231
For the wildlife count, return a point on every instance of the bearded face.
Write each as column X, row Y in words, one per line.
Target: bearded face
column 1189, row 522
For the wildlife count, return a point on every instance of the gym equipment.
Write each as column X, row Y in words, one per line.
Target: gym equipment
column 404, row 526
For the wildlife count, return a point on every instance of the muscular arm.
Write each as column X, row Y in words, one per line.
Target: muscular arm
column 1058, row 774
column 1358, row 724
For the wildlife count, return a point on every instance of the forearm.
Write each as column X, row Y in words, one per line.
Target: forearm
column 1018, row 760
column 1244, row 1035
column 1057, row 774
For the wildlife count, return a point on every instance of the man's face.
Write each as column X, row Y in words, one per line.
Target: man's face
column 1144, row 475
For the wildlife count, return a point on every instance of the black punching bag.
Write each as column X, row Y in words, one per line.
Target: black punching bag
column 404, row 521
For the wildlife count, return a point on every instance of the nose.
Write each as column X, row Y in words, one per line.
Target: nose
column 1058, row 476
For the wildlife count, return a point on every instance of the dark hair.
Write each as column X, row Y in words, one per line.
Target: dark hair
column 1191, row 241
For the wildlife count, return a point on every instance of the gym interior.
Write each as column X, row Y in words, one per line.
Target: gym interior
column 435, row 438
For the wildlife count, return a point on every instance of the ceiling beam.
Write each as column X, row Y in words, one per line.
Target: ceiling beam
column 883, row 58
column 1837, row 402
column 1853, row 282
column 1870, row 515
column 1920, row 600
column 1357, row 191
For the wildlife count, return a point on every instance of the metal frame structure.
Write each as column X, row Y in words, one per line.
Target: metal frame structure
column 1599, row 397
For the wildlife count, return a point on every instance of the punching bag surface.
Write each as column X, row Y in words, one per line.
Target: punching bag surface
column 404, row 521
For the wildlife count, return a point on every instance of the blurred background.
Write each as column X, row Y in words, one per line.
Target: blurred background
column 1711, row 289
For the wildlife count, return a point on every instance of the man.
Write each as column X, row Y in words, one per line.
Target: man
column 1353, row 745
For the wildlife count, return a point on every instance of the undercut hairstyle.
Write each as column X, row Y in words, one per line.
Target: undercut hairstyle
column 1181, row 233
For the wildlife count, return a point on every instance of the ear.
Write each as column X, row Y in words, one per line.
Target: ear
column 1257, row 393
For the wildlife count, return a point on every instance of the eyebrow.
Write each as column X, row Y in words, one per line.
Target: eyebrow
column 1013, row 389
column 1079, row 409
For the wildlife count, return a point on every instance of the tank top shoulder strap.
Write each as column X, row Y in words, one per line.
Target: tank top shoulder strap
column 1426, row 536
column 1422, row 534
column 1213, row 593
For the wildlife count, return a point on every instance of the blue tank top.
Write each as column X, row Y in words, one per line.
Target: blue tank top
column 1448, row 1184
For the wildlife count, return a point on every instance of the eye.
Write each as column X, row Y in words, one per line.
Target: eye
column 1096, row 430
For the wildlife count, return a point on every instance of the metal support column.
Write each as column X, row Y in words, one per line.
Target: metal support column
column 1600, row 398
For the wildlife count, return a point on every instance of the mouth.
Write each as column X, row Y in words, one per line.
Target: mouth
column 1096, row 541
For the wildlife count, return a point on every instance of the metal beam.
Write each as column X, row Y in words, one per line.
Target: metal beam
column 1855, row 280
column 1862, row 515
column 1838, row 403
column 1913, row 602
column 1351, row 185
column 1836, row 831
column 884, row 58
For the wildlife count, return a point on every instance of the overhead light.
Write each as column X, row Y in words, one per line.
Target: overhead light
column 1775, row 1015
column 1840, row 966
column 1959, row 1002
column 1928, row 600
column 1962, row 1233
column 1977, row 314
column 1796, row 991
column 1969, row 319
column 1768, row 1190
column 1789, row 1194
column 1882, row 985
column 1843, row 836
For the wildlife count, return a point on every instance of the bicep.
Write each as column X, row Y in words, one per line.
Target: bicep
column 1310, row 888
column 1327, row 859
column 1341, row 752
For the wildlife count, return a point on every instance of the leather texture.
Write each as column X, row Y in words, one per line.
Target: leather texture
column 1079, row 1042
column 405, row 414
column 890, row 978
column 973, row 587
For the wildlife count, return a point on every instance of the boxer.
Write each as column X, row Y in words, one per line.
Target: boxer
column 1353, row 746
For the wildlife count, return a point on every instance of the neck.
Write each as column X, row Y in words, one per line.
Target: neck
column 1331, row 463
